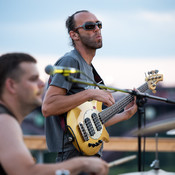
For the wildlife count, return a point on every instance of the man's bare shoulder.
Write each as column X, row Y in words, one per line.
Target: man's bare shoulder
column 9, row 128
column 6, row 120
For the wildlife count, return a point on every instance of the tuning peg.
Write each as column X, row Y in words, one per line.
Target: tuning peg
column 156, row 71
column 149, row 72
column 153, row 84
column 153, row 72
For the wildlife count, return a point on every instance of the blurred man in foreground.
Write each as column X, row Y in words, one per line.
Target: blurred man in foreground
column 21, row 92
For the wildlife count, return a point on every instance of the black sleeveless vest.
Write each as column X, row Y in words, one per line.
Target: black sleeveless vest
column 4, row 110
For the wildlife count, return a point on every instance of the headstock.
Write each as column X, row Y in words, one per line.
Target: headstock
column 152, row 79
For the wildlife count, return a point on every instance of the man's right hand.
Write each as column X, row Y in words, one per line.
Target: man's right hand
column 103, row 96
column 94, row 165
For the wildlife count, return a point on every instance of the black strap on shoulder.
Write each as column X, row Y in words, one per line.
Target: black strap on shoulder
column 97, row 77
column 4, row 109
column 2, row 172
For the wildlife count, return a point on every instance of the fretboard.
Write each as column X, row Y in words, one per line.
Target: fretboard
column 116, row 108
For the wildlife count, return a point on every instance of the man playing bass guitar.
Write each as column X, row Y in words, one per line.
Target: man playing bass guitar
column 84, row 29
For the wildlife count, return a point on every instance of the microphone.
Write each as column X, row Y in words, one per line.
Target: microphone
column 66, row 71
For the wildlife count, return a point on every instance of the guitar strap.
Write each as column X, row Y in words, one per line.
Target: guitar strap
column 97, row 77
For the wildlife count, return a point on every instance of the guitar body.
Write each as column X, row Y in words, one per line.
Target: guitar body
column 86, row 127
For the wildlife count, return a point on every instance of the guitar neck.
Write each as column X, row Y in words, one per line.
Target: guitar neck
column 116, row 108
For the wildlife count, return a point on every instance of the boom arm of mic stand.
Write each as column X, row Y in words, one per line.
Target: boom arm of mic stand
column 102, row 86
column 132, row 92
column 153, row 97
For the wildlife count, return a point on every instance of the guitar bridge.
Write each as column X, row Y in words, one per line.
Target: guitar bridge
column 83, row 132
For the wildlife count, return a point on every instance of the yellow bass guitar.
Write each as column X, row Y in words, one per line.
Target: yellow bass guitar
column 86, row 121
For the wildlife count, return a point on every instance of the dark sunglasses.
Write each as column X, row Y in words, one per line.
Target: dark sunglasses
column 89, row 26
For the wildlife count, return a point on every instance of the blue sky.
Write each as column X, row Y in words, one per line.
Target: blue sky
column 138, row 30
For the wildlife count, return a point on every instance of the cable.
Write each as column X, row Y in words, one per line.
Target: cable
column 75, row 139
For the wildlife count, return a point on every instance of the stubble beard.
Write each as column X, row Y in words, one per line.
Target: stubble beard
column 91, row 44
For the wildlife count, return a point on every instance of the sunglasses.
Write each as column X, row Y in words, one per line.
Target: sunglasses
column 89, row 26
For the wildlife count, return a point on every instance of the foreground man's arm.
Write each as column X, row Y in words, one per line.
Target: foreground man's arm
column 17, row 160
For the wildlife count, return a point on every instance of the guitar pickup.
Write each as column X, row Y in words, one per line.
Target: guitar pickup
column 96, row 121
column 83, row 132
column 89, row 126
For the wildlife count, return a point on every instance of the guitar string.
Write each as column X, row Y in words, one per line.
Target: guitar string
column 106, row 114
column 122, row 104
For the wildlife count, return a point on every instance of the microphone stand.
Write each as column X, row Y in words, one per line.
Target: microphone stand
column 140, row 101
column 101, row 86
column 132, row 92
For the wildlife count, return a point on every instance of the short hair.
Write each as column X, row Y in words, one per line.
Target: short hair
column 9, row 66
column 70, row 23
